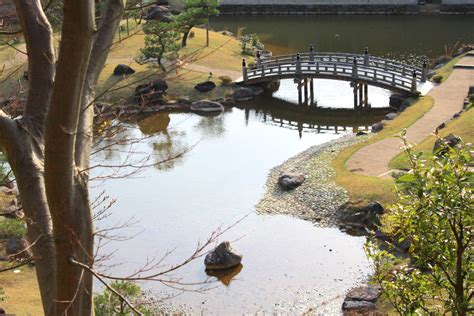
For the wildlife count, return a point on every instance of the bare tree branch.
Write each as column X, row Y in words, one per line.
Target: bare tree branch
column 72, row 260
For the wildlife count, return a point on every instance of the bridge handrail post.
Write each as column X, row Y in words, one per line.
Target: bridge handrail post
column 413, row 82
column 366, row 57
column 298, row 63
column 354, row 67
column 393, row 79
column 259, row 60
column 375, row 74
column 424, row 71
column 244, row 69
column 311, row 53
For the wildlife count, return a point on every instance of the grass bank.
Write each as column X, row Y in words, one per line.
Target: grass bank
column 197, row 63
column 462, row 126
column 361, row 188
column 445, row 71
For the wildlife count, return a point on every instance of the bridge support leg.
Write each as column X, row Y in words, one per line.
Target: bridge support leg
column 300, row 96
column 305, row 82
column 311, row 90
column 360, row 95
column 366, row 95
column 355, row 95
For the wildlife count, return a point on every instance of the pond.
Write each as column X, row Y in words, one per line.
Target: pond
column 289, row 265
column 406, row 38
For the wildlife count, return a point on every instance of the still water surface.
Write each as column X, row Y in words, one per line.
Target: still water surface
column 402, row 37
column 289, row 265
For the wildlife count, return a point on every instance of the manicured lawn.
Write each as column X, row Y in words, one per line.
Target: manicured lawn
column 363, row 188
column 447, row 69
column 462, row 126
column 22, row 292
column 222, row 53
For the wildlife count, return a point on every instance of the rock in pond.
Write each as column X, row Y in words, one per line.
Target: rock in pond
column 243, row 94
column 123, row 70
column 366, row 217
column 160, row 13
column 205, row 86
column 377, row 127
column 206, row 107
column 361, row 300
column 222, row 257
column 396, row 100
column 290, row 181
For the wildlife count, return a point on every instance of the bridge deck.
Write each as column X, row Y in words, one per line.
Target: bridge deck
column 350, row 67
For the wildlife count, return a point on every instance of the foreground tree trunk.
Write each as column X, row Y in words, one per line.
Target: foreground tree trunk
column 49, row 147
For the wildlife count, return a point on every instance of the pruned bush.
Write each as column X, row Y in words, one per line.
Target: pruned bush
column 437, row 78
column 225, row 80
column 12, row 228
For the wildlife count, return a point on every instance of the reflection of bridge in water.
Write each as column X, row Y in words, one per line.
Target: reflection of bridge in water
column 288, row 115
column 360, row 70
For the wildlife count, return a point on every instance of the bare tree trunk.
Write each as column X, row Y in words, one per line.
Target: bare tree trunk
column 67, row 202
column 49, row 147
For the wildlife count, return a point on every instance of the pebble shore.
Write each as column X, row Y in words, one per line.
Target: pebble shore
column 318, row 199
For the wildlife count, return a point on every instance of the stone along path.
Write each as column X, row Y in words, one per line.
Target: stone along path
column 373, row 159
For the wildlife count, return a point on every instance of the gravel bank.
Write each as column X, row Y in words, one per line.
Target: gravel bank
column 318, row 198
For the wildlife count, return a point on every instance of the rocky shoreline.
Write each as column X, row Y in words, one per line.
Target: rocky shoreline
column 319, row 198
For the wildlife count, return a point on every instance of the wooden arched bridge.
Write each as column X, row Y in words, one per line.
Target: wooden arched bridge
column 360, row 69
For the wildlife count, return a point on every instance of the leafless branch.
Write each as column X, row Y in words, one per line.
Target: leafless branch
column 72, row 260
column 18, row 265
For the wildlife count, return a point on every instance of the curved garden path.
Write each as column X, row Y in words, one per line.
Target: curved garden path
column 373, row 159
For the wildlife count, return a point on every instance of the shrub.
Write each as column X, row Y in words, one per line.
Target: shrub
column 225, row 80
column 12, row 228
column 437, row 78
column 435, row 214
column 107, row 303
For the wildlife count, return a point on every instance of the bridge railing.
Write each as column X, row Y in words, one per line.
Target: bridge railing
column 330, row 69
column 362, row 59
column 345, row 66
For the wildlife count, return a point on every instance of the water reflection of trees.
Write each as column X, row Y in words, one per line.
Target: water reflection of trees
column 211, row 126
column 167, row 144
column 169, row 149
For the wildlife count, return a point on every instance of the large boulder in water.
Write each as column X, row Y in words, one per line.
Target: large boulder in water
column 205, row 86
column 396, row 100
column 159, row 13
column 222, row 257
column 361, row 300
column 151, row 93
column 123, row 70
column 206, row 107
column 243, row 94
column 290, row 181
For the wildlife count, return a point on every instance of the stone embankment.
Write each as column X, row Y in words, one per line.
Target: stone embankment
column 301, row 7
